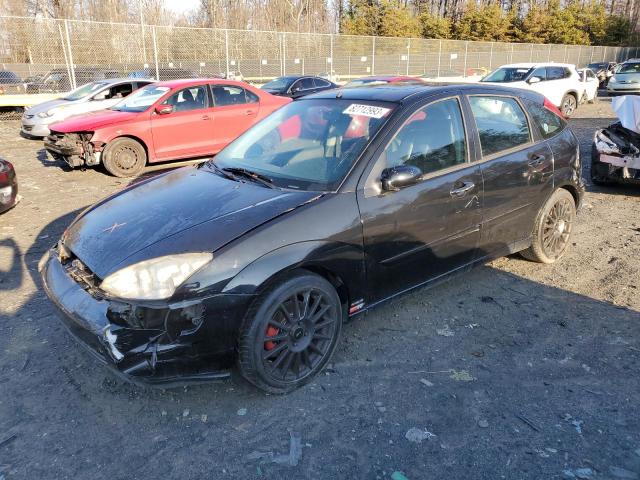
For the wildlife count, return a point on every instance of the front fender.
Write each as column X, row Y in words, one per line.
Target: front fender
column 345, row 262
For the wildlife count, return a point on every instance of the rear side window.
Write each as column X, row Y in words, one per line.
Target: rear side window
column 549, row 124
column 557, row 73
column 320, row 83
column 501, row 123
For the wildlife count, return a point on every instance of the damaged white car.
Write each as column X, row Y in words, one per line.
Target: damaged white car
column 615, row 155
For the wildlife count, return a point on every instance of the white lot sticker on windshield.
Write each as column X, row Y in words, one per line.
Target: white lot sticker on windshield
column 366, row 110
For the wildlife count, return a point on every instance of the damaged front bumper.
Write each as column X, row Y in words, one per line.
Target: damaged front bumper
column 161, row 344
column 615, row 155
column 74, row 148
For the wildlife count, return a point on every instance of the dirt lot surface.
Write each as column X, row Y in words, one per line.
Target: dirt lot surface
column 515, row 370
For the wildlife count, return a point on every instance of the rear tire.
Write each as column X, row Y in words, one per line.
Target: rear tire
column 124, row 157
column 289, row 333
column 552, row 228
column 568, row 105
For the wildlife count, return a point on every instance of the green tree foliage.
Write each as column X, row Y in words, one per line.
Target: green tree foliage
column 433, row 26
column 578, row 22
column 487, row 22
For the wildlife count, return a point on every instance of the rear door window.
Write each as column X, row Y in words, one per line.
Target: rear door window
column 501, row 123
column 225, row 95
column 555, row 73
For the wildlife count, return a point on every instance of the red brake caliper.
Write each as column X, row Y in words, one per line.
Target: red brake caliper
column 271, row 332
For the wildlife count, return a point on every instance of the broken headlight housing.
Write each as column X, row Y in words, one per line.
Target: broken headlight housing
column 154, row 279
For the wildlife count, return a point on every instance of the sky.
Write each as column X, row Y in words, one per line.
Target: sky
column 181, row 6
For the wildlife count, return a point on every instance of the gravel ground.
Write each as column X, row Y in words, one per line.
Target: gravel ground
column 515, row 370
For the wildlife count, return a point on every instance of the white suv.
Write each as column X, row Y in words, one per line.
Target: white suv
column 559, row 82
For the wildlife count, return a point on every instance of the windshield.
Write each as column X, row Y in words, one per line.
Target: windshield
column 277, row 84
column 630, row 68
column 507, row 75
column 85, row 90
column 307, row 145
column 141, row 99
column 53, row 78
column 366, row 81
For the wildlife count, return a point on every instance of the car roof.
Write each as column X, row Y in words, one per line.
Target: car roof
column 110, row 81
column 540, row 64
column 185, row 82
column 388, row 78
column 397, row 93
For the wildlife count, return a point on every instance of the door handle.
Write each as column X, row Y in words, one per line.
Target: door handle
column 460, row 189
column 250, row 112
column 206, row 117
column 535, row 159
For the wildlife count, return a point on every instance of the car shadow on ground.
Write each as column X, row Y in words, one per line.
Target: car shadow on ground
column 530, row 360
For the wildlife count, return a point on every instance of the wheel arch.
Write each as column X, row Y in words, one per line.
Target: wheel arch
column 340, row 264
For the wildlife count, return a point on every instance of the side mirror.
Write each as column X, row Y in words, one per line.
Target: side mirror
column 164, row 109
column 395, row 178
column 534, row 80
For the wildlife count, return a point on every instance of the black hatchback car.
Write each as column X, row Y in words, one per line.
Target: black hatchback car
column 296, row 86
column 326, row 208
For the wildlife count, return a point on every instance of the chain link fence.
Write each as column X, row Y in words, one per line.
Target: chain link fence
column 50, row 55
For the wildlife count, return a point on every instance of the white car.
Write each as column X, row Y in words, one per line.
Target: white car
column 93, row 96
column 590, row 84
column 559, row 82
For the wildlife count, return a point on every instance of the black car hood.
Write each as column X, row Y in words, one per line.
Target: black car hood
column 114, row 232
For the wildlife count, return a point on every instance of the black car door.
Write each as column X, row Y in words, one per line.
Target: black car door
column 517, row 172
column 425, row 230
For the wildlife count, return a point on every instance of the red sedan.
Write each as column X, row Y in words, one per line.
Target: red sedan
column 171, row 120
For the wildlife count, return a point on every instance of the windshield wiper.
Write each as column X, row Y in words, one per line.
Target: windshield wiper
column 244, row 172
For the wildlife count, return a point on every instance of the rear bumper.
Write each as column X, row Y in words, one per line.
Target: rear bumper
column 189, row 342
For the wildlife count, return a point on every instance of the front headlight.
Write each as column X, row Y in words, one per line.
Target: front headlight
column 154, row 279
column 48, row 113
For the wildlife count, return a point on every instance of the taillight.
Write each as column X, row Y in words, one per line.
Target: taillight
column 552, row 108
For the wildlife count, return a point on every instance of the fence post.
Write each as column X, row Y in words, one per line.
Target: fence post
column 331, row 69
column 155, row 51
column 226, row 50
column 579, row 55
column 604, row 54
column 373, row 56
column 64, row 52
column 408, row 54
column 511, row 61
column 466, row 49
column 73, row 68
column 491, row 57
column 283, row 55
column 549, row 54
column 144, row 46
column 439, row 59
column 531, row 54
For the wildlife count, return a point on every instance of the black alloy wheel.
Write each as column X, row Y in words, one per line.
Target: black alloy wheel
column 290, row 334
column 553, row 227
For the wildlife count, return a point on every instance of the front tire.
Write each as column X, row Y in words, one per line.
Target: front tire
column 568, row 105
column 290, row 333
column 552, row 228
column 124, row 157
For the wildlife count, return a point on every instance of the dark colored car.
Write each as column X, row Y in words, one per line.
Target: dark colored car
column 296, row 86
column 615, row 156
column 8, row 186
column 385, row 79
column 163, row 73
column 10, row 83
column 326, row 208
column 603, row 70
column 58, row 79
